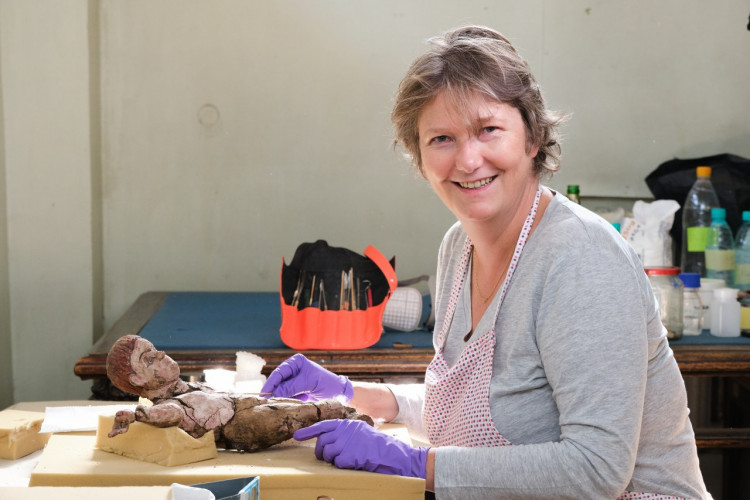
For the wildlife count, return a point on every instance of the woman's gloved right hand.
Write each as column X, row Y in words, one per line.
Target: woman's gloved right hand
column 300, row 378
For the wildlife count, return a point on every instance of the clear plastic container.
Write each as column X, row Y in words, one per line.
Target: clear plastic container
column 668, row 289
column 696, row 221
column 720, row 248
column 692, row 305
column 725, row 313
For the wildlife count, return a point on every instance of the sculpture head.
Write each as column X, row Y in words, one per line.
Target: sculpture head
column 135, row 366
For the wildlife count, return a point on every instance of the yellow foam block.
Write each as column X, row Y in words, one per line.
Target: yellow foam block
column 167, row 446
column 287, row 471
column 19, row 433
column 88, row 493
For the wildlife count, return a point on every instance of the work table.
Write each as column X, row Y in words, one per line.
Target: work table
column 287, row 471
column 204, row 330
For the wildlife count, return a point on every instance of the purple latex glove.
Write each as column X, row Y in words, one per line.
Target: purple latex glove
column 353, row 444
column 300, row 378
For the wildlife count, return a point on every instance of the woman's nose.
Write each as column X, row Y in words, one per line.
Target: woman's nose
column 469, row 157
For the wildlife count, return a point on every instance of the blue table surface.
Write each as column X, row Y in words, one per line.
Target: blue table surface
column 251, row 320
column 236, row 321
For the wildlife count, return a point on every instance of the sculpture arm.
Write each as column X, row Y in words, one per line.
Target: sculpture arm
column 167, row 414
column 161, row 415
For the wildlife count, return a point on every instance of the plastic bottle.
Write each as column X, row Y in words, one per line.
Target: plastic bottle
column 725, row 313
column 573, row 193
column 696, row 221
column 708, row 286
column 742, row 254
column 692, row 308
column 744, row 317
column 720, row 248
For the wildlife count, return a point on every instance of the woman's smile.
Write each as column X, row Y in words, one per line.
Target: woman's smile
column 474, row 185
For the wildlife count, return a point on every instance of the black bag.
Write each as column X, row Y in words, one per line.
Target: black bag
column 730, row 175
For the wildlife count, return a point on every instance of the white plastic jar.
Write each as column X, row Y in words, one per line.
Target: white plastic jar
column 708, row 285
column 725, row 313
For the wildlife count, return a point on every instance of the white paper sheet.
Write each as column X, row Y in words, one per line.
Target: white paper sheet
column 77, row 418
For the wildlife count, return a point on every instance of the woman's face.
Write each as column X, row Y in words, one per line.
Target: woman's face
column 476, row 158
column 152, row 368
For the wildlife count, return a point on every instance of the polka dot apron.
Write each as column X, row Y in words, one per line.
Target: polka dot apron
column 457, row 403
column 457, row 399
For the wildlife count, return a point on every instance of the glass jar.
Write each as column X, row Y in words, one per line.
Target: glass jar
column 668, row 290
column 692, row 305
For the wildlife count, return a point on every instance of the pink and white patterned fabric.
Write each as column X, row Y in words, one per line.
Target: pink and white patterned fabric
column 457, row 403
column 457, row 399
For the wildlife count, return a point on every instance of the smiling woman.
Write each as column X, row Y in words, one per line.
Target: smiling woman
column 582, row 377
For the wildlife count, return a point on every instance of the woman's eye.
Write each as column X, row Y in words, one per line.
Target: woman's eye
column 489, row 130
column 440, row 139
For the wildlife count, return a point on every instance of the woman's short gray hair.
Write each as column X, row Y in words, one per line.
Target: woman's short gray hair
column 476, row 60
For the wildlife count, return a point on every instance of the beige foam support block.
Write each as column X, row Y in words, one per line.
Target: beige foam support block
column 288, row 471
column 88, row 493
column 167, row 446
column 19, row 433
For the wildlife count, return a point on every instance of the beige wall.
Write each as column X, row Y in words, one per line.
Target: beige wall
column 6, row 366
column 48, row 196
column 189, row 145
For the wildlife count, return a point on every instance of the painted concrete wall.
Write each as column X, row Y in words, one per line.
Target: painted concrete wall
column 6, row 363
column 235, row 131
column 48, row 198
column 189, row 145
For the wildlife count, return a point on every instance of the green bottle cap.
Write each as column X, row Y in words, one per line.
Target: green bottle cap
column 718, row 213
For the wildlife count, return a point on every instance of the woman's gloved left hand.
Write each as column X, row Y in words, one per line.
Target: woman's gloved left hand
column 353, row 444
column 300, row 378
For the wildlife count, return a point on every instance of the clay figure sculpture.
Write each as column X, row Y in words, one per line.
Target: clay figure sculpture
column 239, row 421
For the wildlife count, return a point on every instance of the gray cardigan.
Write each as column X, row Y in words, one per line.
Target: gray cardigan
column 584, row 385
